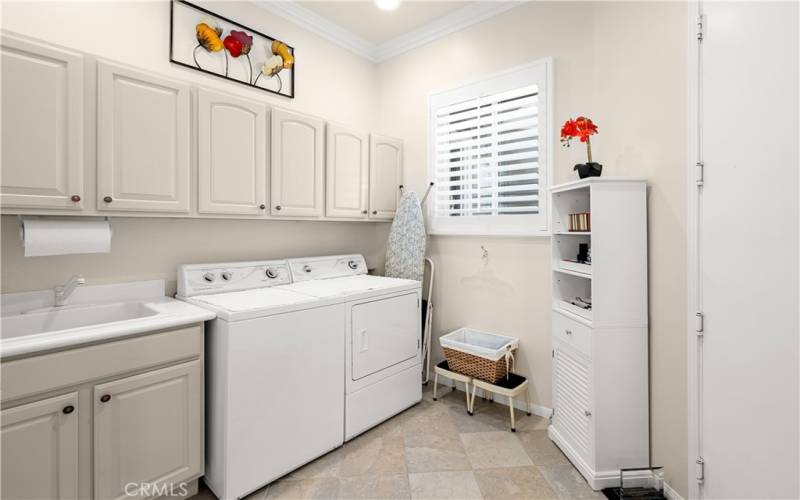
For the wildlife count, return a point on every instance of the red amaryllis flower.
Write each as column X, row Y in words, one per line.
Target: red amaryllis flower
column 582, row 128
column 585, row 128
column 238, row 43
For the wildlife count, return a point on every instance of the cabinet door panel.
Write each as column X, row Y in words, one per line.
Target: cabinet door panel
column 149, row 430
column 143, row 141
column 347, row 171
column 297, row 168
column 42, row 134
column 385, row 174
column 231, row 154
column 572, row 399
column 40, row 449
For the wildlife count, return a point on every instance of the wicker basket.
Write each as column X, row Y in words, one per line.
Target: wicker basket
column 490, row 365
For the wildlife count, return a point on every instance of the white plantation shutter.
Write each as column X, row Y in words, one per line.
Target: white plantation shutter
column 488, row 155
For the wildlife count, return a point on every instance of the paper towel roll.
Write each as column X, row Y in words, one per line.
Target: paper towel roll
column 65, row 236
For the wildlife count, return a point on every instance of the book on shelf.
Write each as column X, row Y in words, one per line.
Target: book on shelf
column 580, row 222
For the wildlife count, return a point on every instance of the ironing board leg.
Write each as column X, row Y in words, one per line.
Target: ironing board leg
column 511, row 409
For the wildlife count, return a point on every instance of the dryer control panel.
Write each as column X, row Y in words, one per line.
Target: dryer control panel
column 320, row 268
column 204, row 279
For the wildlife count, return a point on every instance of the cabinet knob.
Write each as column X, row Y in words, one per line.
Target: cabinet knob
column 568, row 332
column 262, row 206
column 75, row 198
column 108, row 199
column 68, row 409
column 374, row 212
column 277, row 207
column 364, row 212
column 105, row 398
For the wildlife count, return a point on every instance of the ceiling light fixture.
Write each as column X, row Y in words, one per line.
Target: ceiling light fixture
column 387, row 4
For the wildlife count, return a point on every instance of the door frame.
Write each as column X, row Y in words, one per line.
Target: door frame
column 693, row 282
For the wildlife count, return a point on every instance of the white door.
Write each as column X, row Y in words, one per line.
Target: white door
column 347, row 172
column 384, row 332
column 385, row 176
column 572, row 415
column 143, row 141
column 42, row 117
column 297, row 166
column 232, row 144
column 148, row 429
column 748, row 230
column 40, row 449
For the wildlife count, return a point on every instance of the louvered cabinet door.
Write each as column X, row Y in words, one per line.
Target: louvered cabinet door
column 572, row 415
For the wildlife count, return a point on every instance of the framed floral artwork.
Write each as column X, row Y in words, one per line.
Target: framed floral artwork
column 207, row 42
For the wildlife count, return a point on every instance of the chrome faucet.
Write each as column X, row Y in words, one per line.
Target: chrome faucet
column 62, row 292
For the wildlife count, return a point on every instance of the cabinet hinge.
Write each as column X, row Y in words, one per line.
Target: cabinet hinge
column 698, row 326
column 700, row 466
column 700, row 173
column 700, row 29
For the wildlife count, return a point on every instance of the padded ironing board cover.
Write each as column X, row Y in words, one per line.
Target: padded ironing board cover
column 405, row 251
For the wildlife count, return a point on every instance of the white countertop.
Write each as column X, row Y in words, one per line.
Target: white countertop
column 164, row 313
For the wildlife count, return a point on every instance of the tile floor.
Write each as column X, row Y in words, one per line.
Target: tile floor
column 434, row 450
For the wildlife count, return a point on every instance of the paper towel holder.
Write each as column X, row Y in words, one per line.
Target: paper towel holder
column 21, row 219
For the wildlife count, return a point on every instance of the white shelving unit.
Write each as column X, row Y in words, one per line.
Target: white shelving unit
column 600, row 356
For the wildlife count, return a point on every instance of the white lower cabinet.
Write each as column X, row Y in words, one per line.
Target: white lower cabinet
column 128, row 424
column 148, row 429
column 143, row 141
column 40, row 449
column 297, row 166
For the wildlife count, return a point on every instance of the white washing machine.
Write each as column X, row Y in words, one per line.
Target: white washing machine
column 382, row 335
column 274, row 376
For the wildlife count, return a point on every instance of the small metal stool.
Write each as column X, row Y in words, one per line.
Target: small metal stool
column 510, row 387
column 443, row 369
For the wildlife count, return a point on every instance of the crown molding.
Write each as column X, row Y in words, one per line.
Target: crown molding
column 313, row 22
column 443, row 26
column 455, row 21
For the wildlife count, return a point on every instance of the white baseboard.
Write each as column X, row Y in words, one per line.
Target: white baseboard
column 671, row 494
column 538, row 410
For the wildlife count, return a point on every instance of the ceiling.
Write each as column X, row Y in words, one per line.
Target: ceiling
column 378, row 35
column 377, row 26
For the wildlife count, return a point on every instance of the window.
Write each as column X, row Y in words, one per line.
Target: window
column 489, row 154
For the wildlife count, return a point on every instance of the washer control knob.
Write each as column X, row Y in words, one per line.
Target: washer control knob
column 272, row 273
column 352, row 265
column 209, row 277
column 307, row 268
column 227, row 275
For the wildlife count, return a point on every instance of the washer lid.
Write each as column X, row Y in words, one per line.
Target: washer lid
column 260, row 299
column 350, row 285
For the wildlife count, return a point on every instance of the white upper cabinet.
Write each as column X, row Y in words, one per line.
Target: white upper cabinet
column 143, row 141
column 42, row 115
column 297, row 164
column 347, row 172
column 232, row 144
column 385, row 174
column 40, row 449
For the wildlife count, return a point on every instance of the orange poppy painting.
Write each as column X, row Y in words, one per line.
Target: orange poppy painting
column 213, row 44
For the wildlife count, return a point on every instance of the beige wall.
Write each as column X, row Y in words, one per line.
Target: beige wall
column 623, row 64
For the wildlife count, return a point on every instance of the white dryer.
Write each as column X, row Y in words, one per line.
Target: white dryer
column 382, row 335
column 274, row 377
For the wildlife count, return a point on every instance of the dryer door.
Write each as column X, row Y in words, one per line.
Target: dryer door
column 383, row 333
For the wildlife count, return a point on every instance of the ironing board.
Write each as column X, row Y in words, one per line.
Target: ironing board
column 405, row 250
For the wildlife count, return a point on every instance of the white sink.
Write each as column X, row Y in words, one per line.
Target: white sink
column 30, row 323
column 52, row 319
